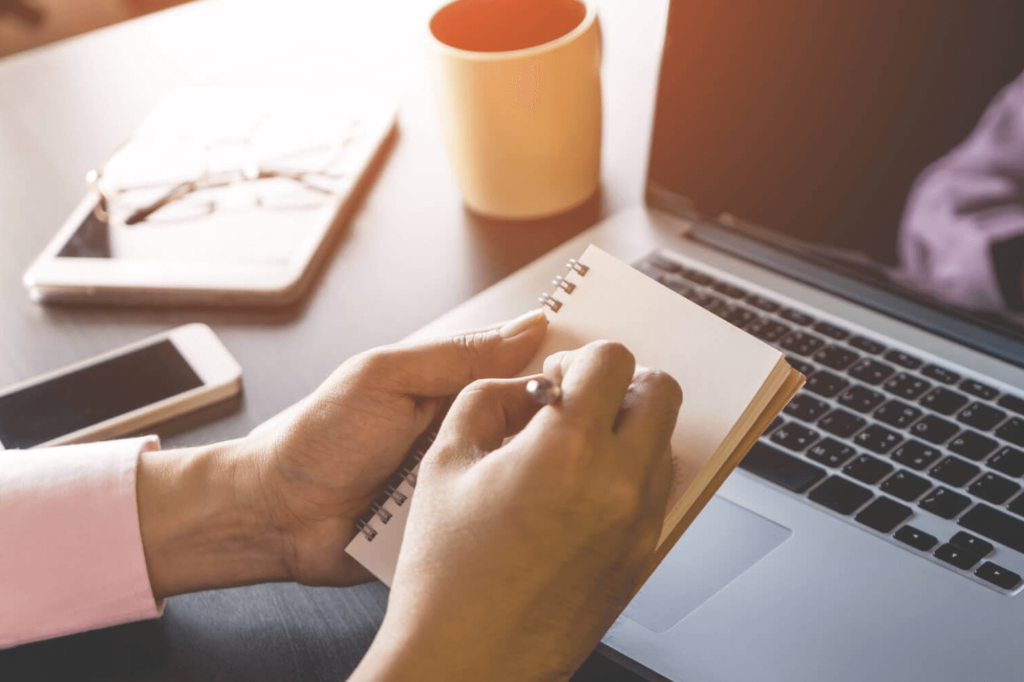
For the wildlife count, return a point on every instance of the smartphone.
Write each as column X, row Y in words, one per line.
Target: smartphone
column 120, row 392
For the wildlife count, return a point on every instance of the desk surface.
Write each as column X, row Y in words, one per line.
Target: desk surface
column 64, row 107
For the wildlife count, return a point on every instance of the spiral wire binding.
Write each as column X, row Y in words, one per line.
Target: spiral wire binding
column 377, row 511
column 562, row 284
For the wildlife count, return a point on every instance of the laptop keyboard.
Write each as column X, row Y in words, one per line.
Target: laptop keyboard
column 910, row 449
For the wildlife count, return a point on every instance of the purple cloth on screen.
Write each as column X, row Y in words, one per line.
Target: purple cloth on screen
column 962, row 234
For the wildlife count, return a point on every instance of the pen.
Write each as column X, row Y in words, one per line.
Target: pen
column 544, row 391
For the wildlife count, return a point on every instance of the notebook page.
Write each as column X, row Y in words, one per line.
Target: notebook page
column 719, row 367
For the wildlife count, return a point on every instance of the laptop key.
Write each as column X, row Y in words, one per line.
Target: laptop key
column 942, row 374
column 906, row 386
column 883, row 514
column 1009, row 461
column 830, row 452
column 768, row 330
column 898, row 414
column 1017, row 506
column 995, row 525
column 739, row 316
column 871, row 371
column 997, row 575
column 954, row 471
column 934, row 429
column 971, row 543
column 867, row 469
column 1012, row 402
column 707, row 301
column 796, row 317
column 993, row 488
column 763, row 303
column 831, row 331
column 906, row 486
column 902, row 359
column 955, row 556
column 793, row 436
column 866, row 345
column 841, row 423
column 944, row 503
column 981, row 416
column 836, row 357
column 801, row 366
column 944, row 401
column 780, row 468
column 730, row 290
column 861, row 398
column 801, row 343
column 806, row 408
column 1012, row 430
column 972, row 445
column 915, row 455
column 975, row 388
column 916, row 538
column 878, row 439
column 662, row 263
column 840, row 495
column 826, row 384
column 697, row 277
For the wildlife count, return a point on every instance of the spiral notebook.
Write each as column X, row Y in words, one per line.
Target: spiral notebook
column 733, row 384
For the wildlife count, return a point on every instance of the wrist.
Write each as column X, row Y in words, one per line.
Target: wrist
column 202, row 521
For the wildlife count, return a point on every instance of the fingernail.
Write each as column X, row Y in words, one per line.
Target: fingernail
column 523, row 323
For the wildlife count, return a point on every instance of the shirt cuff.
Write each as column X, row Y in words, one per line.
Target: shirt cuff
column 72, row 556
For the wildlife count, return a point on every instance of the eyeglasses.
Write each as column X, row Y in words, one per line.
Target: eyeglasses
column 166, row 179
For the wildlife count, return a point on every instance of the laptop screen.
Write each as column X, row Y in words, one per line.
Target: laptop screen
column 812, row 120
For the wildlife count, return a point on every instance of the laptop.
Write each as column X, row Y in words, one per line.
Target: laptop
column 876, row 531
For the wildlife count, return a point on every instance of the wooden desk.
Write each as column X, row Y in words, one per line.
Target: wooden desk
column 409, row 253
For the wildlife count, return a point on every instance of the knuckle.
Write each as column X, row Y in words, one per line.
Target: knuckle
column 625, row 499
column 481, row 390
column 372, row 362
column 573, row 442
column 663, row 385
column 474, row 344
column 612, row 353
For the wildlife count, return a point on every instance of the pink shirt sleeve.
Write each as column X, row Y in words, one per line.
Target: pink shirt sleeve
column 71, row 556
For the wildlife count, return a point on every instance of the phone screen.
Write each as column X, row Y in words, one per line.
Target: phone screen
column 88, row 396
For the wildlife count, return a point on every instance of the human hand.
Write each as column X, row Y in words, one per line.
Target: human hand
column 330, row 462
column 283, row 505
column 517, row 558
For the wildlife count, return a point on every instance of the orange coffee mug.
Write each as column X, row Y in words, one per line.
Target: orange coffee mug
column 519, row 90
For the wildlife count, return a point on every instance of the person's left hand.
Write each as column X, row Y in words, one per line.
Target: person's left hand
column 329, row 462
column 283, row 505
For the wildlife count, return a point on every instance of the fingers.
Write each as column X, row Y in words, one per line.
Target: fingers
column 484, row 414
column 640, row 407
column 651, row 407
column 442, row 367
column 594, row 380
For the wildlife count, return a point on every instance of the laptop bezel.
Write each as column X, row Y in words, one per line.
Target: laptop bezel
column 754, row 243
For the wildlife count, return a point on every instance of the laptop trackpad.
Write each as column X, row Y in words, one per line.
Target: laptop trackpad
column 724, row 541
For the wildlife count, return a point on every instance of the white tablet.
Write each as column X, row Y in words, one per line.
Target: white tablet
column 224, row 195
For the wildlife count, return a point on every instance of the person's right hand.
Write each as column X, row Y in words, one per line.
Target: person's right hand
column 517, row 558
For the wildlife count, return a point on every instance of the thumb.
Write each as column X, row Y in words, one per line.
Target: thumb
column 482, row 417
column 442, row 367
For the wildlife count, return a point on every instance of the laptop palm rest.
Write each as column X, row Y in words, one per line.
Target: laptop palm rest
column 724, row 541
